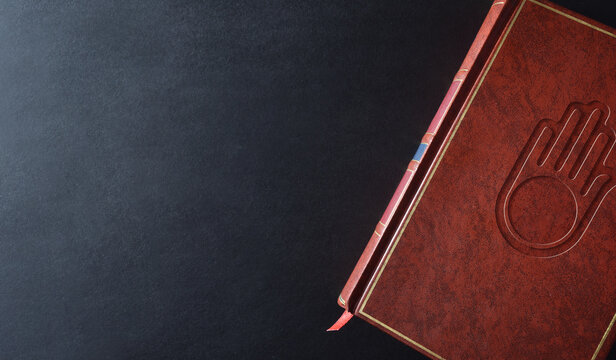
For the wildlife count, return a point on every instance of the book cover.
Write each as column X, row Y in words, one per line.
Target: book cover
column 501, row 238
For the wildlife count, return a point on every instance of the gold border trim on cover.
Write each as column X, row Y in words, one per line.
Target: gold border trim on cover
column 390, row 251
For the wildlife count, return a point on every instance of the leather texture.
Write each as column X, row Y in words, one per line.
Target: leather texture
column 507, row 248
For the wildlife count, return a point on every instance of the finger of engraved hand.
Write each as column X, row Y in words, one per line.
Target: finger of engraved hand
column 581, row 142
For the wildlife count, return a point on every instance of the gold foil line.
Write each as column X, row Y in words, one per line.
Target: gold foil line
column 573, row 18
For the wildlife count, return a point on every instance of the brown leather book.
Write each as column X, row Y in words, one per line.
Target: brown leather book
column 500, row 241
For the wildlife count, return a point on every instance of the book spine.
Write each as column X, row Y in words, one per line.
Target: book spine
column 351, row 291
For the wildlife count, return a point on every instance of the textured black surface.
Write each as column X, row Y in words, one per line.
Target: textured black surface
column 186, row 180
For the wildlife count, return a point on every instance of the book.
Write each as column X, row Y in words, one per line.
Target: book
column 500, row 241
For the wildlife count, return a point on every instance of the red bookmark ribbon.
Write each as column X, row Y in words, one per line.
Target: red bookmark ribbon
column 344, row 318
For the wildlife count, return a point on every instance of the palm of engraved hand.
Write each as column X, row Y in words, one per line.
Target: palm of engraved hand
column 559, row 181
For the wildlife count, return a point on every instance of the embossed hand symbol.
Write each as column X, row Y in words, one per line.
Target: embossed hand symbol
column 559, row 181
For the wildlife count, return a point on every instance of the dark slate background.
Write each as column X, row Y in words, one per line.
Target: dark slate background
column 192, row 180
